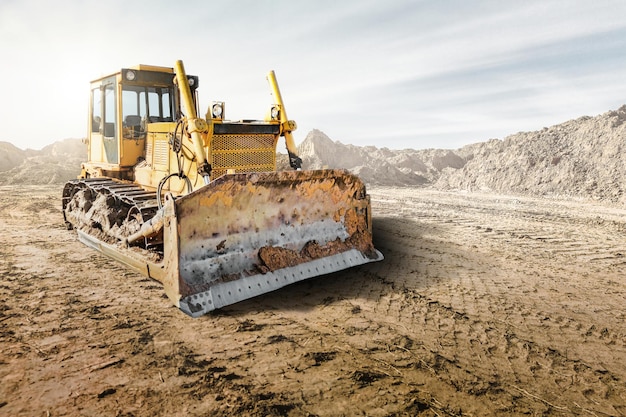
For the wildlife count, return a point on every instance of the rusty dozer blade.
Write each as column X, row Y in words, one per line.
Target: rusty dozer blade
column 247, row 234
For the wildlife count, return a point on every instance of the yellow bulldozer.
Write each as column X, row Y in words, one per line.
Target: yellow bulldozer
column 197, row 203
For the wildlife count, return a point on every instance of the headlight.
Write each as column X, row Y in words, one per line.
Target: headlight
column 275, row 112
column 192, row 81
column 130, row 75
column 217, row 110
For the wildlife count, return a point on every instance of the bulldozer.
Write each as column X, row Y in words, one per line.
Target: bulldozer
column 197, row 203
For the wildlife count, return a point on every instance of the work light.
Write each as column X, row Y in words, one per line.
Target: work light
column 275, row 112
column 217, row 110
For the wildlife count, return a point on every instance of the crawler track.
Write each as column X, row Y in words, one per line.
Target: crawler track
column 109, row 209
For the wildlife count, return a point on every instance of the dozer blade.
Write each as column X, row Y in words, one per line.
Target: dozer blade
column 247, row 234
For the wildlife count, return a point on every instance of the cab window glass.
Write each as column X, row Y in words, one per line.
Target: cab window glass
column 166, row 105
column 152, row 104
column 96, row 109
column 130, row 103
column 109, row 111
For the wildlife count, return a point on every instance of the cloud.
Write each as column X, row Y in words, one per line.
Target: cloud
column 367, row 72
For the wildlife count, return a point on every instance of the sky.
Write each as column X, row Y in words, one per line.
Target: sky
column 393, row 73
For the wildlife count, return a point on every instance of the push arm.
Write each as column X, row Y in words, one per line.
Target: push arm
column 195, row 125
column 286, row 125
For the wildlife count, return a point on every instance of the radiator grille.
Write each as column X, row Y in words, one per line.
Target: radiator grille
column 243, row 153
column 161, row 152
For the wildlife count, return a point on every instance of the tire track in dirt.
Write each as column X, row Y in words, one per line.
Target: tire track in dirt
column 514, row 337
column 530, row 226
column 496, row 342
column 476, row 310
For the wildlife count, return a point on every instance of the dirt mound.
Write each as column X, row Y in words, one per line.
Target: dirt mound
column 580, row 158
column 54, row 164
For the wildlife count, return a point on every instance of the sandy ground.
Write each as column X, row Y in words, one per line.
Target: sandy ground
column 485, row 305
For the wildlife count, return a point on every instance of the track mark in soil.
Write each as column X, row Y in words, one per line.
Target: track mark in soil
column 249, row 326
column 364, row 378
column 320, row 357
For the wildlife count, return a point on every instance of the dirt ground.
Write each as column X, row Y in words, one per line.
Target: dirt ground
column 485, row 305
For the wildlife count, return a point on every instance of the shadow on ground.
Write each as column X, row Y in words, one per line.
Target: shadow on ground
column 399, row 239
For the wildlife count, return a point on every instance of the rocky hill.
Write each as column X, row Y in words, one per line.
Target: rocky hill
column 12, row 156
column 379, row 166
column 53, row 164
column 579, row 158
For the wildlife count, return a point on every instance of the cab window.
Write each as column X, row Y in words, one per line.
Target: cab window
column 109, row 111
column 96, row 109
column 142, row 104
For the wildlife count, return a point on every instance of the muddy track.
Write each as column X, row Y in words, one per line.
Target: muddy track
column 484, row 305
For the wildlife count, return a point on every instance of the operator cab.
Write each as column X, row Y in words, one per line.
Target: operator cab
column 122, row 105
